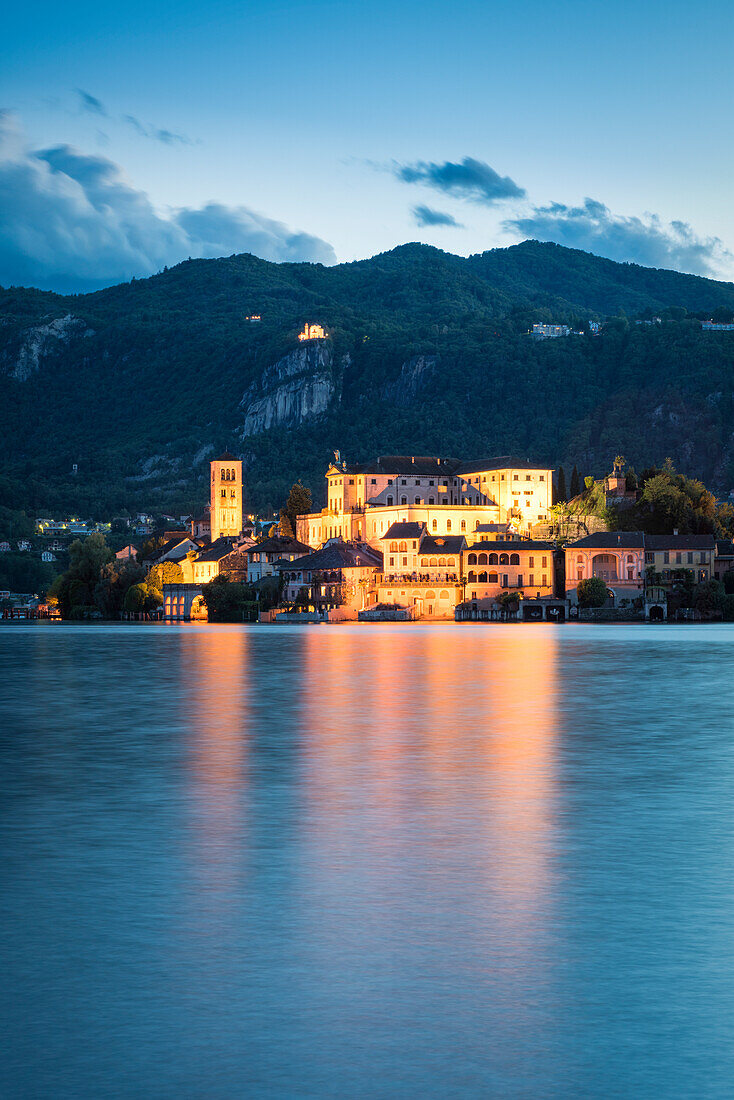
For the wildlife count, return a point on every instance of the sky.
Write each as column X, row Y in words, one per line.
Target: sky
column 133, row 136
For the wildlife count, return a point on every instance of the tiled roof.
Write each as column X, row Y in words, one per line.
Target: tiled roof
column 504, row 462
column 442, row 544
column 601, row 540
column 404, row 530
column 218, row 550
column 227, row 457
column 441, row 467
column 340, row 555
column 679, row 542
column 279, row 544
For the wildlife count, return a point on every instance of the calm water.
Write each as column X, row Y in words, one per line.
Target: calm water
column 380, row 861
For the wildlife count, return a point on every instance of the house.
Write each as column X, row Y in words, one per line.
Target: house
column 201, row 566
column 420, row 570
column 280, row 549
column 127, row 553
column 56, row 544
column 4, row 546
column 525, row 565
column 46, row 555
column 618, row 557
column 23, row 545
column 200, row 526
column 666, row 555
column 339, row 576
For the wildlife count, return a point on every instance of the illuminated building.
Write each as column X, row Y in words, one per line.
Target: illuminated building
column 226, row 497
column 448, row 496
column 312, row 332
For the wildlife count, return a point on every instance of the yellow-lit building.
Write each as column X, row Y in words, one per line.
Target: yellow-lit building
column 448, row 496
column 226, row 497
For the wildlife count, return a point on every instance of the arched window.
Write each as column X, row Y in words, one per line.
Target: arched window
column 492, row 559
column 417, row 500
column 434, row 562
column 493, row 578
column 403, row 547
column 476, row 524
column 482, row 578
column 514, row 559
column 389, row 501
column 482, row 559
column 448, row 524
column 393, row 548
column 430, row 594
column 442, row 561
column 450, row 562
column 435, row 525
column 443, row 595
column 472, row 576
column 403, row 500
column 222, row 475
column 463, row 525
column 431, row 500
column 504, row 559
column 472, row 559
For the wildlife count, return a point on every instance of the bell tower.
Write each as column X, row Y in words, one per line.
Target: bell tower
column 226, row 496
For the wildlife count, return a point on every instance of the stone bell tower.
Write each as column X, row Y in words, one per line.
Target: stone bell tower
column 226, row 498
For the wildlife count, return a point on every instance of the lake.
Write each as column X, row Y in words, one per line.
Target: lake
column 390, row 860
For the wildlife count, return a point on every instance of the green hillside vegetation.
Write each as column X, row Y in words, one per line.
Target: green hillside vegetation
column 136, row 403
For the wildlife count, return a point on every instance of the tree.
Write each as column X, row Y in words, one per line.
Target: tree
column 285, row 527
column 728, row 580
column 76, row 587
column 575, row 483
column 561, row 492
column 591, row 592
column 298, row 504
column 708, row 599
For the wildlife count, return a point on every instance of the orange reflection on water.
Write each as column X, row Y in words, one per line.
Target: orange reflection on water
column 217, row 716
column 453, row 726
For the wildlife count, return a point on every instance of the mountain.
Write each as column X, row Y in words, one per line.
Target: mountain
column 137, row 385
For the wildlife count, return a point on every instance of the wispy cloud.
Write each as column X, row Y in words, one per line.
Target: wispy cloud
column 166, row 137
column 648, row 240
column 424, row 215
column 91, row 103
column 73, row 222
column 470, row 179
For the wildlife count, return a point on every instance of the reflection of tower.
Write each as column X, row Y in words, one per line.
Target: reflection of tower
column 226, row 498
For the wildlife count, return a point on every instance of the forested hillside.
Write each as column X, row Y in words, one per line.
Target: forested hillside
column 428, row 353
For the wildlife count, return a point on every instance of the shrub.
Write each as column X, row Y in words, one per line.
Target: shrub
column 591, row 592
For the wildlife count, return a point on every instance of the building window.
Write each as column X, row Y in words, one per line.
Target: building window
column 545, row 561
column 405, row 562
column 666, row 558
column 403, row 500
column 545, row 580
column 224, row 492
column 516, row 477
column 528, row 477
column 679, row 558
column 434, row 525
column 531, row 563
column 373, row 481
column 531, row 580
column 417, row 481
column 431, row 483
column 542, row 477
column 690, row 558
column 448, row 524
column 389, row 500
column 403, row 482
column 463, row 525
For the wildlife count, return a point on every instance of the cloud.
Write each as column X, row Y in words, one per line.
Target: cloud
column 167, row 137
column 424, row 215
column 91, row 103
column 73, row 222
column 647, row 241
column 471, row 179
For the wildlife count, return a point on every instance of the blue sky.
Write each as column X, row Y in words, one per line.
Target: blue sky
column 137, row 134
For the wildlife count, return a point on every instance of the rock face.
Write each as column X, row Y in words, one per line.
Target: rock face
column 298, row 388
column 414, row 374
column 42, row 340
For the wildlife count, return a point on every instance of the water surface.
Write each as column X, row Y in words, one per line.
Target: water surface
column 391, row 860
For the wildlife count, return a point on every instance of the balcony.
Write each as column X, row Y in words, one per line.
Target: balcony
column 417, row 580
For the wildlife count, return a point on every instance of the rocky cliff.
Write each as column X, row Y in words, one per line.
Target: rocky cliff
column 23, row 358
column 298, row 388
